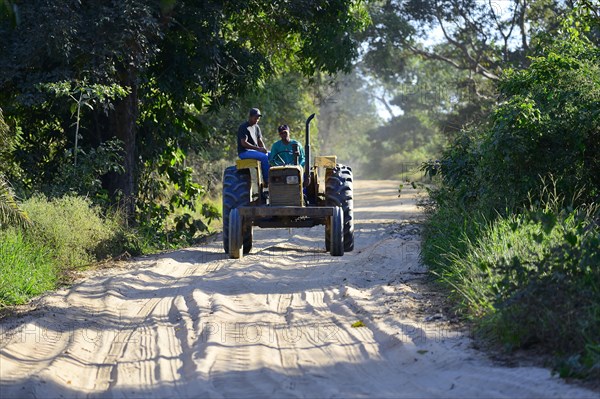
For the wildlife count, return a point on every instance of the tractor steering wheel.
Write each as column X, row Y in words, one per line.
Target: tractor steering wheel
column 278, row 160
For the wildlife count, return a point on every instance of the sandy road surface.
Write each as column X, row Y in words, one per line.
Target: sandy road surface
column 279, row 323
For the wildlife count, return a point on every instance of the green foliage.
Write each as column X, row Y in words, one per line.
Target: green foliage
column 434, row 101
column 533, row 278
column 178, row 61
column 84, row 177
column 514, row 232
column 540, row 131
column 8, row 141
column 10, row 212
column 44, row 160
column 27, row 268
column 548, row 125
column 434, row 85
column 70, row 226
column 169, row 187
column 4, row 131
column 449, row 230
column 556, row 290
column 83, row 94
column 480, row 37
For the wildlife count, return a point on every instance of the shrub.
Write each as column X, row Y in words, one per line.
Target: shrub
column 520, row 259
column 552, row 297
column 531, row 278
column 83, row 178
column 547, row 124
column 71, row 226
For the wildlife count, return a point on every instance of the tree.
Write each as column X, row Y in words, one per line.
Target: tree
column 476, row 39
column 176, row 59
column 434, row 65
column 480, row 37
column 547, row 128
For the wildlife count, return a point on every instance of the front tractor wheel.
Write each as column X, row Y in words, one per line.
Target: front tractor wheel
column 236, row 239
column 336, row 232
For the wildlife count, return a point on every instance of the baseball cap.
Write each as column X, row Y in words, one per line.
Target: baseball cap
column 282, row 128
column 255, row 112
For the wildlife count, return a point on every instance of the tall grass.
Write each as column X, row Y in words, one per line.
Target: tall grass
column 71, row 226
column 531, row 278
column 27, row 268
column 449, row 230
column 66, row 233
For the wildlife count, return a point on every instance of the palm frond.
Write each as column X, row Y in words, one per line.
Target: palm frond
column 10, row 212
column 4, row 134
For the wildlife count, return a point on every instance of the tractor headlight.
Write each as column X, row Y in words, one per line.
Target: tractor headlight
column 291, row 180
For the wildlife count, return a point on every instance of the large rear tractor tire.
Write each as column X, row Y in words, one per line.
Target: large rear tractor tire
column 339, row 192
column 237, row 186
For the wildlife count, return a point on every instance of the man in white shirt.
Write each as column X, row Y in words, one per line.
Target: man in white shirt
column 250, row 144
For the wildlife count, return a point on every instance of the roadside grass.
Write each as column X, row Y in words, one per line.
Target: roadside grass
column 69, row 234
column 449, row 230
column 66, row 234
column 531, row 278
column 27, row 269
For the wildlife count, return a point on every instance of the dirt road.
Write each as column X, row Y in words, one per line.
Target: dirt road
column 286, row 321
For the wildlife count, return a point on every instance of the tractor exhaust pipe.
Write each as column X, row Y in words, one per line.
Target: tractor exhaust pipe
column 307, row 162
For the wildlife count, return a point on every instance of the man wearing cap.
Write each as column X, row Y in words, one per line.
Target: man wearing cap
column 250, row 144
column 282, row 152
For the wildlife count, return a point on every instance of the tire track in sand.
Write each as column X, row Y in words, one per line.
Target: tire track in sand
column 278, row 323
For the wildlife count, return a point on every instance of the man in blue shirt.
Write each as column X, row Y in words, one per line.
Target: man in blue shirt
column 282, row 152
column 250, row 143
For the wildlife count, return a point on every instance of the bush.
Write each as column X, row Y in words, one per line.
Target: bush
column 552, row 298
column 71, row 226
column 547, row 124
column 449, row 229
column 27, row 268
column 84, row 177
column 522, row 260
column 171, row 212
column 529, row 278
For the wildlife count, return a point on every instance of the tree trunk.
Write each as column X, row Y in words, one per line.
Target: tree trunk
column 122, row 187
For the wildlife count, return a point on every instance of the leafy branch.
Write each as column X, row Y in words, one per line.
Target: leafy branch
column 83, row 94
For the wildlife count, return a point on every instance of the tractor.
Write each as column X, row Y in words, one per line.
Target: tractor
column 295, row 197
